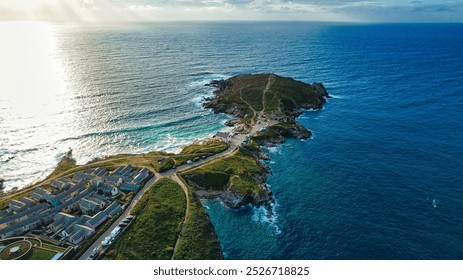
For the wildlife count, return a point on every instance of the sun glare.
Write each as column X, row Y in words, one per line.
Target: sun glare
column 31, row 71
column 63, row 10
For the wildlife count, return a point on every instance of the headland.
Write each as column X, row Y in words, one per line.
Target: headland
column 264, row 108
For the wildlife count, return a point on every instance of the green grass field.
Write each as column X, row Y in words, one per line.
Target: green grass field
column 234, row 172
column 40, row 254
column 153, row 233
column 284, row 95
column 198, row 241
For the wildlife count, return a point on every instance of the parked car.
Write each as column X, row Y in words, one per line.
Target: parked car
column 107, row 241
column 94, row 254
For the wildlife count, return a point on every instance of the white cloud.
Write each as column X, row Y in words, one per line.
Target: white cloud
column 144, row 8
column 330, row 10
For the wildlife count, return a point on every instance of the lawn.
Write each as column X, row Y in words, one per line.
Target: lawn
column 40, row 254
column 153, row 233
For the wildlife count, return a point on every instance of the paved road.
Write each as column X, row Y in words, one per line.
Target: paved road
column 124, row 215
column 234, row 144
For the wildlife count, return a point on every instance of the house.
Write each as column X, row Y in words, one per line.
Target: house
column 100, row 172
column 50, row 198
column 88, row 206
column 130, row 187
column 96, row 182
column 4, row 214
column 141, row 177
column 65, row 180
column 38, row 194
column 101, row 202
column 28, row 201
column 16, row 205
column 72, row 191
column 124, row 171
column 69, row 208
column 97, row 219
column 109, row 189
column 101, row 197
column 79, row 233
column 113, row 209
column 71, row 228
column 114, row 180
column 61, row 221
column 79, row 176
column 58, row 184
column 89, row 171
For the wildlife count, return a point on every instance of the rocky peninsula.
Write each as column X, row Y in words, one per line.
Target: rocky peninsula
column 264, row 108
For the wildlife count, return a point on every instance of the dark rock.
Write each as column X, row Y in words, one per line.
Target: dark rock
column 232, row 122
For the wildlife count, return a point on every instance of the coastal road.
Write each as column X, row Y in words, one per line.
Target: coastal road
column 233, row 146
column 124, row 215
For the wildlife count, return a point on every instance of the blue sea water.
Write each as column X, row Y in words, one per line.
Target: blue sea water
column 380, row 179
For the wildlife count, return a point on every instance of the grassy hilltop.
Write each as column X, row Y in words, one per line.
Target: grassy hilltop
column 266, row 98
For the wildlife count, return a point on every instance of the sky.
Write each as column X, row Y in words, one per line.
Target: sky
column 159, row 10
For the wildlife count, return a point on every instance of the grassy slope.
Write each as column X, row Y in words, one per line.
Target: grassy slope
column 284, row 94
column 290, row 94
column 198, row 241
column 153, row 233
column 204, row 148
column 234, row 172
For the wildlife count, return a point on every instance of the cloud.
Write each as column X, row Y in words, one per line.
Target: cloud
column 329, row 10
column 144, row 8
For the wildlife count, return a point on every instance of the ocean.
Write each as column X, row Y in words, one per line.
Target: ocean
column 380, row 178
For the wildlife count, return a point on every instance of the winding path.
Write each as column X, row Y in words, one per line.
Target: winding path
column 187, row 212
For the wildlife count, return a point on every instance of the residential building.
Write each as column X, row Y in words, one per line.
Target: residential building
column 88, row 207
column 97, row 219
column 79, row 233
column 61, row 221
column 28, row 201
column 109, row 189
column 38, row 194
column 113, row 209
column 17, row 206
column 130, row 187
column 114, row 180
